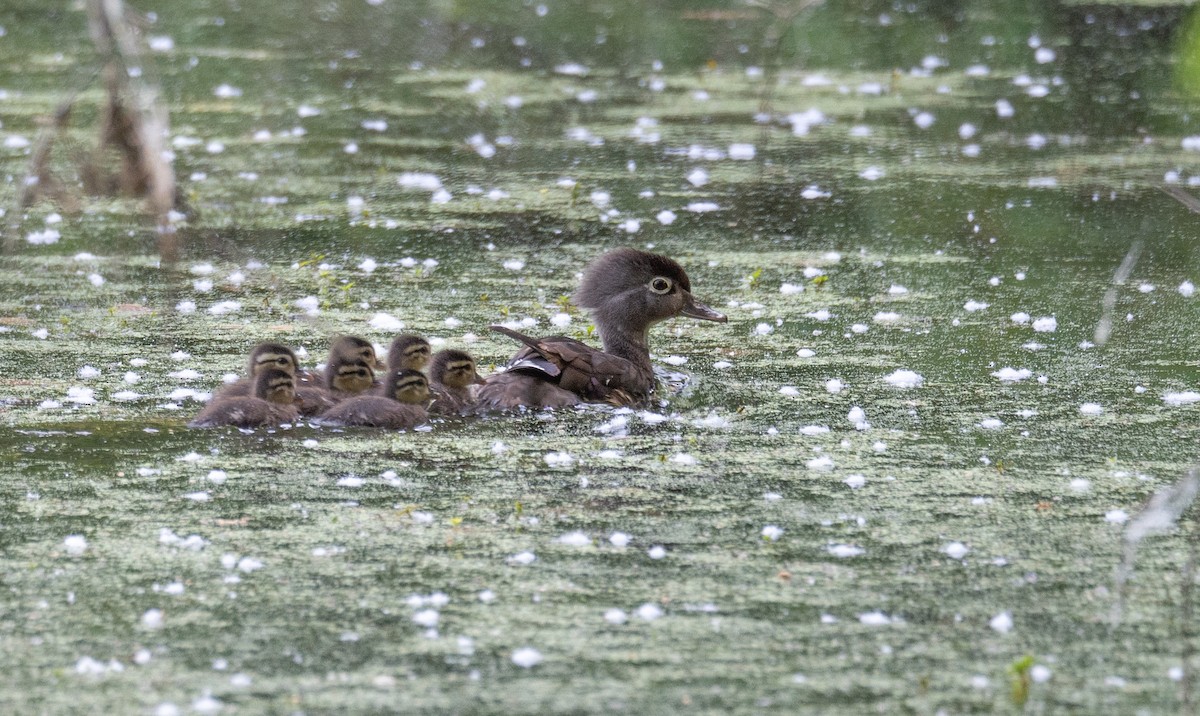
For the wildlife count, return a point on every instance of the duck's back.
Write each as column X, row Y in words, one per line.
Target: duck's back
column 374, row 411
column 244, row 412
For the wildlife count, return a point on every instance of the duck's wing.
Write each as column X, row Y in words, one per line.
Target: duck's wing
column 571, row 366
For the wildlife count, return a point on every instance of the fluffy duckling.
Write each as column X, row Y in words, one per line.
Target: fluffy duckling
column 273, row 403
column 349, row 371
column 401, row 409
column 627, row 291
column 264, row 355
column 452, row 375
column 408, row 352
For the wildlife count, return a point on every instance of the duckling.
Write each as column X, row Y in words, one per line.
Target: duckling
column 273, row 403
column 349, row 370
column 402, row 408
column 451, row 376
column 264, row 355
column 627, row 291
column 408, row 352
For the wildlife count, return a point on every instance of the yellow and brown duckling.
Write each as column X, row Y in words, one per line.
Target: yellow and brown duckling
column 626, row 291
column 408, row 352
column 452, row 379
column 264, row 356
column 349, row 371
column 402, row 408
column 273, row 403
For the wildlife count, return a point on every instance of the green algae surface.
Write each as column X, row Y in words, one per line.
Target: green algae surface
column 891, row 483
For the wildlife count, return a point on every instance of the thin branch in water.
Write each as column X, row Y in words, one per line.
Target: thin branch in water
column 1105, row 324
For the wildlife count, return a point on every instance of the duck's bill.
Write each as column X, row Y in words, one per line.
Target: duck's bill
column 697, row 310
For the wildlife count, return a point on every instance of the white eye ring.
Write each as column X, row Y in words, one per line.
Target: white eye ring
column 660, row 285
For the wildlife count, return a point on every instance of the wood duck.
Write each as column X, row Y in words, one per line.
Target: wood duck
column 402, row 408
column 349, row 371
column 452, row 375
column 408, row 352
column 272, row 403
column 627, row 291
column 264, row 355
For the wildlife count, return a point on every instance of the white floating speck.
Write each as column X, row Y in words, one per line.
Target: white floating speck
column 80, row 395
column 527, row 657
column 665, row 217
column 615, row 617
column 924, row 120
column 834, row 386
column 309, row 443
column 854, row 482
column 821, row 315
column 95, row 279
column 790, row 391
column 619, row 539
column 871, row 173
column 75, row 545
column 1187, row 288
column 991, row 424
column 649, row 612
column 895, row 290
column 87, row 372
column 904, row 379
column 1046, row 324
column 675, row 360
column 656, row 552
column 559, row 459
column 1185, row 398
column 350, row 481
column 1004, row 109
column 771, row 533
column 789, row 289
column 763, row 329
column 700, row 207
column 824, row 463
column 1040, row 674
column 575, row 539
column 523, row 558
column 956, row 550
column 225, row 91
column 845, row 551
column 1091, row 409
column 152, row 619
column 806, row 353
column 874, row 619
column 698, row 177
column 886, row 317
column 368, row 265
column 514, row 264
column 741, row 151
column 973, row 306
column 1116, row 517
column 1002, row 622
column 683, row 458
column 386, row 322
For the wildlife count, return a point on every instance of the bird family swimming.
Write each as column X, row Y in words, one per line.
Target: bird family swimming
column 626, row 291
column 273, row 403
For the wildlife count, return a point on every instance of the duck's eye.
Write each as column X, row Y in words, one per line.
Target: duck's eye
column 282, row 360
column 660, row 285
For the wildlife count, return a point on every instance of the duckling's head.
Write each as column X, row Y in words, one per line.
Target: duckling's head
column 272, row 355
column 353, row 375
column 408, row 386
column 454, row 369
column 630, row 290
column 346, row 349
column 275, row 385
column 408, row 352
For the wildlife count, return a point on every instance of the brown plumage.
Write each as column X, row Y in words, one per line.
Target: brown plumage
column 402, row 409
column 349, row 371
column 452, row 376
column 273, row 403
column 408, row 352
column 264, row 355
column 627, row 291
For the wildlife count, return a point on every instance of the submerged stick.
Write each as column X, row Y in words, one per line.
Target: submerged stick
column 1104, row 325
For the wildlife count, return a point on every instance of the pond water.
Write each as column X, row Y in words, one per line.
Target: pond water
column 896, row 480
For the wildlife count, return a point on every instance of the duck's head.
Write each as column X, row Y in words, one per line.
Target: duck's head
column 275, row 385
column 272, row 356
column 408, row 352
column 349, row 375
column 347, row 349
column 630, row 290
column 454, row 369
column 408, row 386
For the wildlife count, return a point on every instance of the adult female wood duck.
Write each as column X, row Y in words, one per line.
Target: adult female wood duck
column 627, row 291
column 273, row 403
column 402, row 409
column 452, row 375
column 264, row 355
column 349, row 371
